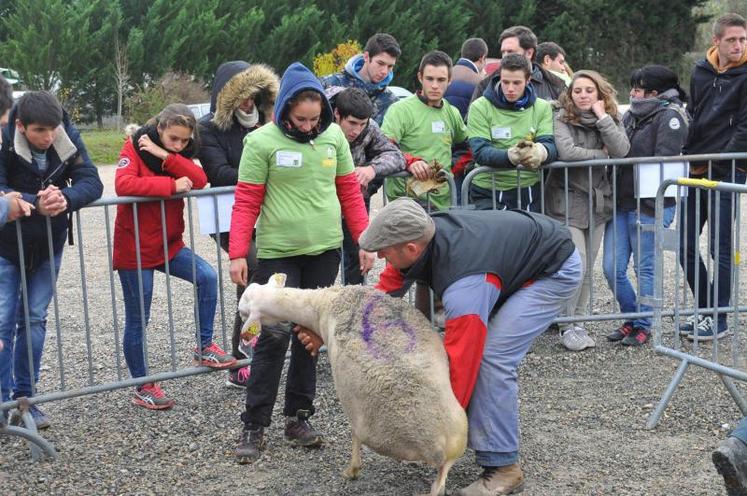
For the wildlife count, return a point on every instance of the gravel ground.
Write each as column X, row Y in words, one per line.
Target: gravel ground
column 583, row 415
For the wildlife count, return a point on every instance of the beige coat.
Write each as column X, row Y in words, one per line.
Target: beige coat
column 584, row 142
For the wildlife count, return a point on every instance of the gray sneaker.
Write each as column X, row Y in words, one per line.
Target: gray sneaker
column 730, row 459
column 576, row 339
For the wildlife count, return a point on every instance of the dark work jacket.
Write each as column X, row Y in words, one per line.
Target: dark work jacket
column 652, row 135
column 515, row 245
column 718, row 107
column 68, row 167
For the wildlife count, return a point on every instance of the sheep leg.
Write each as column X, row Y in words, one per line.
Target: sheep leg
column 439, row 485
column 354, row 467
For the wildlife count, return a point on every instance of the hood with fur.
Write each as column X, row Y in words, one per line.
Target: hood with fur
column 236, row 81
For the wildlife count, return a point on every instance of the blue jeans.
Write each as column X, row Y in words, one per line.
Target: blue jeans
column 620, row 241
column 180, row 266
column 741, row 431
column 493, row 411
column 690, row 231
column 15, row 374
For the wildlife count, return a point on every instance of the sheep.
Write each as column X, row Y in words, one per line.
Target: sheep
column 390, row 369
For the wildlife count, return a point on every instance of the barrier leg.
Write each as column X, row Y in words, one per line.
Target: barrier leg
column 39, row 446
column 735, row 394
column 664, row 401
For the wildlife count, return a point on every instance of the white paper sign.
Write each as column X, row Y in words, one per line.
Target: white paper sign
column 206, row 211
column 438, row 127
column 650, row 175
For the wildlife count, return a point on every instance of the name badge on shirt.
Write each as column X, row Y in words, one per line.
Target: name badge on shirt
column 438, row 127
column 288, row 159
column 500, row 132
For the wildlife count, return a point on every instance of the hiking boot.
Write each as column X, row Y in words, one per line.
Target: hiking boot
column 707, row 331
column 576, row 339
column 214, row 357
column 637, row 338
column 621, row 332
column 238, row 378
column 730, row 460
column 496, row 481
column 298, row 431
column 151, row 396
column 40, row 419
column 251, row 444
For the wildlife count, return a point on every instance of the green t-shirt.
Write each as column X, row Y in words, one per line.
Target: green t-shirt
column 504, row 128
column 300, row 214
column 428, row 133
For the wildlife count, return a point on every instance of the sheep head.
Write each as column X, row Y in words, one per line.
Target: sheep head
column 250, row 305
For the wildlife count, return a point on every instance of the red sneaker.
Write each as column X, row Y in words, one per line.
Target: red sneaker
column 214, row 357
column 151, row 397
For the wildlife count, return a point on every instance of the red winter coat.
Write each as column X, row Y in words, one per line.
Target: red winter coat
column 134, row 178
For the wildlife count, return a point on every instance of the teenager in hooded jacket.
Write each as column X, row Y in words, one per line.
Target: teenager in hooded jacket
column 295, row 180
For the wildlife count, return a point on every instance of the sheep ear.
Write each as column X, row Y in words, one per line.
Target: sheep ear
column 278, row 280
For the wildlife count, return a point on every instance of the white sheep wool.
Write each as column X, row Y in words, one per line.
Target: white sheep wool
column 390, row 370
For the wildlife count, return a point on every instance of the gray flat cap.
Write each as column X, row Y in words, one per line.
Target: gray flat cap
column 400, row 221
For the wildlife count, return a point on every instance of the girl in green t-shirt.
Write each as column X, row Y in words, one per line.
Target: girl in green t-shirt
column 295, row 179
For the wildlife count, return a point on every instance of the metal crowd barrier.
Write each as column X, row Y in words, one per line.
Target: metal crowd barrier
column 674, row 298
column 597, row 309
column 73, row 304
column 69, row 310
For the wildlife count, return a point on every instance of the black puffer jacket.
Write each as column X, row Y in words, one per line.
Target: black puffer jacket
column 221, row 135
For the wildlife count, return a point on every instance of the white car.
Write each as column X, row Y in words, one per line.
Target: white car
column 400, row 92
column 199, row 109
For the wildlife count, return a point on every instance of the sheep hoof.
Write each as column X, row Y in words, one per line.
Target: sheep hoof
column 351, row 473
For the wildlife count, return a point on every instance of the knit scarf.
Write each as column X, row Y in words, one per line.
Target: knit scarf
column 247, row 120
column 154, row 163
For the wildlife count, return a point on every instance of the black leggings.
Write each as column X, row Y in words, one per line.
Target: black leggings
column 306, row 272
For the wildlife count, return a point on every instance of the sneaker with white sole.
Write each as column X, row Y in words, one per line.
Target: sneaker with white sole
column 690, row 323
column 214, row 357
column 576, row 339
column 707, row 331
column 151, row 396
column 238, row 378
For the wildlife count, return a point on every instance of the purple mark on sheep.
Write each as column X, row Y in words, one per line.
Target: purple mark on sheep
column 369, row 328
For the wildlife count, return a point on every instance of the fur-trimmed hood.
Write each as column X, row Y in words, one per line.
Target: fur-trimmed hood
column 236, row 81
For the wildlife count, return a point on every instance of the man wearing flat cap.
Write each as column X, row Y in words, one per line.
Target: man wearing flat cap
column 503, row 277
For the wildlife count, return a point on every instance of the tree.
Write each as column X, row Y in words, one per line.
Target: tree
column 42, row 43
column 121, row 76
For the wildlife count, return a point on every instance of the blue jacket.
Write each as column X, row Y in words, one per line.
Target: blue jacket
column 296, row 79
column 68, row 167
column 380, row 95
column 459, row 92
